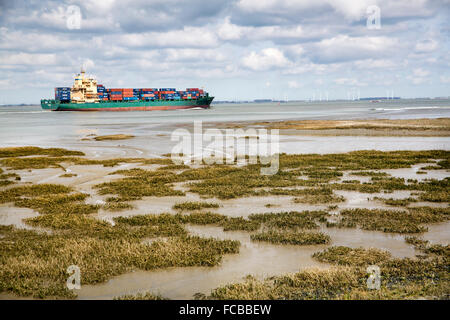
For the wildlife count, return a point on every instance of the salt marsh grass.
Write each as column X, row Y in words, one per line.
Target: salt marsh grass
column 68, row 175
column 190, row 206
column 114, row 137
column 397, row 221
column 353, row 257
column 291, row 237
column 401, row 278
column 34, row 263
column 34, row 151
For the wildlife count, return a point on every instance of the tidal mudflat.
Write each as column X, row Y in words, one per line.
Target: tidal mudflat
column 146, row 226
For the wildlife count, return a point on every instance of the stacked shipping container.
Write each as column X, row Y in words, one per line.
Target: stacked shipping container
column 167, row 94
column 115, row 94
column 128, row 95
column 62, row 94
column 135, row 94
column 102, row 93
column 149, row 94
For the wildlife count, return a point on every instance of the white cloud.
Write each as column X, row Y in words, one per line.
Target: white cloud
column 188, row 37
column 168, row 42
column 267, row 59
column 419, row 76
column 429, row 45
column 95, row 5
column 318, row 82
column 445, row 79
column 418, row 81
column 37, row 41
column 5, row 84
column 88, row 64
column 178, row 54
column 304, row 66
column 294, row 84
column 27, row 59
column 350, row 9
column 344, row 47
column 275, row 32
column 377, row 64
column 229, row 31
column 296, row 50
column 350, row 82
column 419, row 72
column 232, row 32
column 353, row 9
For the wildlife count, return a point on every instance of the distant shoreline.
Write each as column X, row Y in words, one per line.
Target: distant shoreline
column 361, row 127
column 263, row 101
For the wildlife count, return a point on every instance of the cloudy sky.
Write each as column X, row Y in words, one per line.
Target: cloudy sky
column 238, row 49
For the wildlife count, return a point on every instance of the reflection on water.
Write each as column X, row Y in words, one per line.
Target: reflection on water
column 256, row 258
column 438, row 233
column 10, row 215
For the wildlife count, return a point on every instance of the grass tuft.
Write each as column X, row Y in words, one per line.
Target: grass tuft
column 392, row 220
column 68, row 175
column 291, row 237
column 35, row 151
column 353, row 257
column 239, row 223
column 191, row 206
column 114, row 137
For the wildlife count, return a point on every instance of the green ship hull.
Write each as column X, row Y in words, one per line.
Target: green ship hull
column 55, row 105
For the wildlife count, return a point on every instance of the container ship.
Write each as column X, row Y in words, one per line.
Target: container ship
column 87, row 95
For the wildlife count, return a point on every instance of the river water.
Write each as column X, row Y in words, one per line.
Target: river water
column 29, row 125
